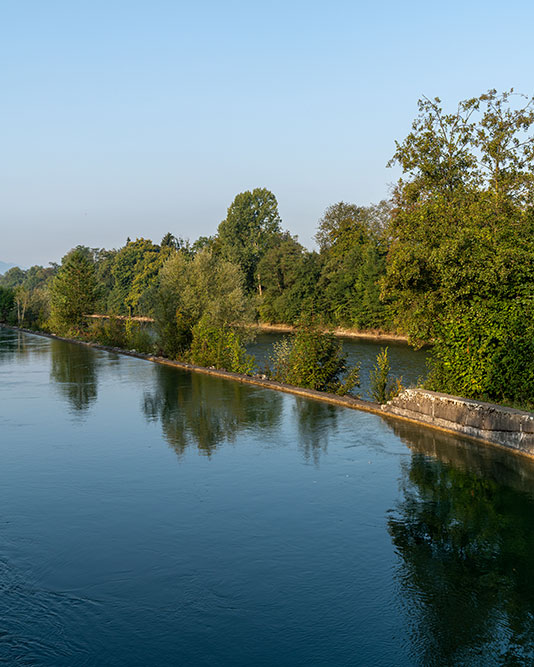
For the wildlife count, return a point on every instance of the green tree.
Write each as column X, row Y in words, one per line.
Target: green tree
column 280, row 270
column 7, row 304
column 462, row 216
column 353, row 250
column 251, row 224
column 135, row 274
column 73, row 290
column 190, row 289
column 462, row 240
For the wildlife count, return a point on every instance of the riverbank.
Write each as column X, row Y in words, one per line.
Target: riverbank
column 339, row 331
column 492, row 424
column 266, row 327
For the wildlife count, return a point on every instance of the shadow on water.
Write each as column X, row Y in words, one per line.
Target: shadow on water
column 464, row 531
column 204, row 411
column 73, row 371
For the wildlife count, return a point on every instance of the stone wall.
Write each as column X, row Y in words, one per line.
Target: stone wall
column 485, row 421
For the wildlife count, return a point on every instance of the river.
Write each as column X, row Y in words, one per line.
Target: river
column 150, row 516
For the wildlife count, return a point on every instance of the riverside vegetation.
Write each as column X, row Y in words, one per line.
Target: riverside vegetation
column 448, row 260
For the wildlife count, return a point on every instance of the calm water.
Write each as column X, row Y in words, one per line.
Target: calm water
column 154, row 517
column 406, row 363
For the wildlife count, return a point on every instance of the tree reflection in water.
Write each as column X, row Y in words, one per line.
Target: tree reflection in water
column 73, row 369
column 16, row 344
column 465, row 532
column 207, row 411
column 315, row 420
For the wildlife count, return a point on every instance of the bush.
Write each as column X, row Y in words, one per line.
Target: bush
column 382, row 388
column 221, row 347
column 314, row 360
column 126, row 334
column 486, row 352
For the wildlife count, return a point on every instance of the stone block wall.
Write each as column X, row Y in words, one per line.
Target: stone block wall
column 485, row 421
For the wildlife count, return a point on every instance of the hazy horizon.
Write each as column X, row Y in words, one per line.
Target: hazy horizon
column 136, row 119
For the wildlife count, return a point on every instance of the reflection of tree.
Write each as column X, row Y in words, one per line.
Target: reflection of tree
column 19, row 344
column 207, row 411
column 315, row 420
column 11, row 344
column 73, row 369
column 466, row 542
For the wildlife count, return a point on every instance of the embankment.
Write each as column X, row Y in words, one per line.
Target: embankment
column 507, row 427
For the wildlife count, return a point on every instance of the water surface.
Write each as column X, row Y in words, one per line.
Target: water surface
column 152, row 516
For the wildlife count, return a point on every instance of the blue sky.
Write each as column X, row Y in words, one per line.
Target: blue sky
column 128, row 118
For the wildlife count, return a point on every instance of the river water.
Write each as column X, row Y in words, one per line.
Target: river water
column 149, row 516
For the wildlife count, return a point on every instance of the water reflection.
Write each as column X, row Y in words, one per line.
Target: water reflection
column 465, row 532
column 315, row 421
column 207, row 411
column 73, row 370
column 16, row 344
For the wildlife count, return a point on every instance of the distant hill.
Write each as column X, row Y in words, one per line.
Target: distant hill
column 5, row 266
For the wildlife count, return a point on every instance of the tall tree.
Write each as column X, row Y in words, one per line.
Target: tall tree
column 73, row 290
column 353, row 250
column 251, row 224
column 462, row 243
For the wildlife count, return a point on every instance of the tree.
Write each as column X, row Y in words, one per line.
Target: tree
column 73, row 290
column 251, row 224
column 462, row 234
column 7, row 303
column 353, row 249
column 135, row 271
column 193, row 289
column 279, row 268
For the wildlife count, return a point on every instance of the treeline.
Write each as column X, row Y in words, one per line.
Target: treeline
column 337, row 286
column 448, row 260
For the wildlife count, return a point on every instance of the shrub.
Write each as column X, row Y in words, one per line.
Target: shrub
column 221, row 347
column 314, row 360
column 486, row 351
column 382, row 388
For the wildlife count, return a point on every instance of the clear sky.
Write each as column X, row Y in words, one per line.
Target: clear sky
column 134, row 118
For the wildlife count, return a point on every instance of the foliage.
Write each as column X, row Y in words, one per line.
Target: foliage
column 486, row 352
column 135, row 275
column 462, row 221
column 314, row 360
column 73, row 291
column 460, row 268
column 251, row 225
column 191, row 289
column 7, row 304
column 107, row 331
column 124, row 333
column 220, row 347
column 353, row 251
column 383, row 389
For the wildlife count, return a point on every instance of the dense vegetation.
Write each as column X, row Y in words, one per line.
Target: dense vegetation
column 449, row 260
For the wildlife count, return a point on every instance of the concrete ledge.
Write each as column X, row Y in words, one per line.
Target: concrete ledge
column 497, row 424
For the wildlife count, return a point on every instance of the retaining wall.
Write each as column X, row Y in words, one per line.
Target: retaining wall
column 497, row 424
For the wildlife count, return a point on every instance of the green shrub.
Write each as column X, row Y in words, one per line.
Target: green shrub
column 382, row 388
column 221, row 347
column 486, row 352
column 137, row 337
column 314, row 360
column 127, row 334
